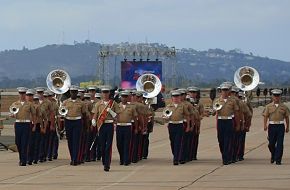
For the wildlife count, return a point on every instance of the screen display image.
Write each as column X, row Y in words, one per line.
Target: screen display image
column 131, row 71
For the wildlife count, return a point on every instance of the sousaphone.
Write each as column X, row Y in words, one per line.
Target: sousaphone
column 58, row 81
column 150, row 84
column 246, row 78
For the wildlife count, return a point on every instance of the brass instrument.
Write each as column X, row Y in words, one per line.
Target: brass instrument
column 150, row 84
column 58, row 81
column 166, row 113
column 246, row 78
column 13, row 110
column 217, row 106
column 62, row 110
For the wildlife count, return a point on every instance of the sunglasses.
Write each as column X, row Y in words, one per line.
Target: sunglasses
column 105, row 91
column 276, row 95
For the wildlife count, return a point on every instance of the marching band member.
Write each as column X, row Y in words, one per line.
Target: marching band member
column 245, row 126
column 124, row 124
column 225, row 125
column 25, row 117
column 179, row 112
column 107, row 111
column 73, row 123
column 193, row 93
column 275, row 115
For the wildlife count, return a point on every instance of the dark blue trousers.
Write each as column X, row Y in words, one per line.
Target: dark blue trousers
column 52, row 145
column 186, row 141
column 276, row 134
column 175, row 137
column 106, row 135
column 123, row 137
column 73, row 134
column 22, row 132
column 242, row 144
column 146, row 141
column 34, row 145
column 224, row 133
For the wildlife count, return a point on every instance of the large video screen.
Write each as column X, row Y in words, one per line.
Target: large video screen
column 131, row 71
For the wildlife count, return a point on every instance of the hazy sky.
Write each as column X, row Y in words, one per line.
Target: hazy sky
column 258, row 26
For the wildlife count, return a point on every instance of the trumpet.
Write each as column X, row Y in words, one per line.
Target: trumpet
column 13, row 110
column 217, row 106
column 166, row 113
column 62, row 110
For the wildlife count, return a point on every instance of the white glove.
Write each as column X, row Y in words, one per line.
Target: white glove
column 94, row 122
column 113, row 114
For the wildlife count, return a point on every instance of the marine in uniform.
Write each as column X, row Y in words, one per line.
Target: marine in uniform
column 275, row 115
column 85, row 146
column 32, row 135
column 107, row 111
column 246, row 117
column 46, row 106
column 179, row 112
column 53, row 144
column 24, row 119
column 95, row 153
column 123, row 130
column 41, row 120
column 237, row 128
column 137, row 134
column 73, row 123
column 225, row 123
column 149, row 129
column 187, row 134
column 199, row 109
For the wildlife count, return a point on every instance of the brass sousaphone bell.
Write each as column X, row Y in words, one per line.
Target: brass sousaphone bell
column 246, row 78
column 150, row 84
column 58, row 81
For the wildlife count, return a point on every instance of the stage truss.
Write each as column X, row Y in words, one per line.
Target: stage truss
column 110, row 56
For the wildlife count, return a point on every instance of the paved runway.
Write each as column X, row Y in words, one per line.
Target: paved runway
column 255, row 172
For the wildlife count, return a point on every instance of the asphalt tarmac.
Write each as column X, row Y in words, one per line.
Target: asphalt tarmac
column 157, row 172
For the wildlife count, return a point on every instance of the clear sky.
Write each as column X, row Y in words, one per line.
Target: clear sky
column 258, row 26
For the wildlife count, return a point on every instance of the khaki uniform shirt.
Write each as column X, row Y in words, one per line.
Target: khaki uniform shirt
column 46, row 106
column 127, row 114
column 190, row 109
column 76, row 108
column 228, row 107
column 54, row 107
column 26, row 111
column 40, row 114
column 179, row 113
column 101, row 105
column 276, row 113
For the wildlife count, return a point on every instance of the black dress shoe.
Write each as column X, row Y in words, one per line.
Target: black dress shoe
column 182, row 162
column 126, row 164
column 106, row 168
column 49, row 159
column 175, row 163
column 241, row 159
column 35, row 162
column 225, row 163
column 272, row 161
column 145, row 158
column 29, row 163
column 121, row 163
column 278, row 162
column 23, row 164
column 55, row 157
